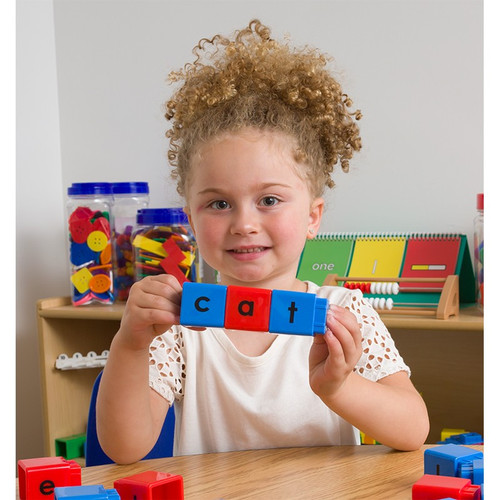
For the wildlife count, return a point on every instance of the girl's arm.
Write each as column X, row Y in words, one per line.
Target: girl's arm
column 129, row 413
column 390, row 410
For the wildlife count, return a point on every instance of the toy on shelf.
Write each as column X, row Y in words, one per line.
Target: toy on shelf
column 448, row 304
column 39, row 476
column 77, row 361
column 446, row 432
column 256, row 309
column 71, row 446
column 462, row 438
column 91, row 492
column 150, row 485
column 367, row 439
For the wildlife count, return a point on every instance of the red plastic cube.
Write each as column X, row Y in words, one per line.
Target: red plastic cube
column 39, row 476
column 430, row 487
column 150, row 485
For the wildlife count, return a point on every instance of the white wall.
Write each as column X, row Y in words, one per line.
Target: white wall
column 40, row 236
column 414, row 67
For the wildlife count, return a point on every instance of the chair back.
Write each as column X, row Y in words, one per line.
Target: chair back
column 94, row 454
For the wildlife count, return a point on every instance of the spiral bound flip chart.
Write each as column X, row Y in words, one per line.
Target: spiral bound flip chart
column 391, row 255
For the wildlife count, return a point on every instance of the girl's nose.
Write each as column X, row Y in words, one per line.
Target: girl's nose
column 245, row 221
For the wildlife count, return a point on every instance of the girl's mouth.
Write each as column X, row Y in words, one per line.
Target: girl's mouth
column 248, row 250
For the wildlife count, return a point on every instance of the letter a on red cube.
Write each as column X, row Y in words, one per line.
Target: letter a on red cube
column 247, row 308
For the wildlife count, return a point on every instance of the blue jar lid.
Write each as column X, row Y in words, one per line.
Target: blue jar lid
column 167, row 216
column 82, row 188
column 130, row 188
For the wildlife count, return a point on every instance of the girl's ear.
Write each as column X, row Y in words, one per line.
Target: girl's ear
column 315, row 216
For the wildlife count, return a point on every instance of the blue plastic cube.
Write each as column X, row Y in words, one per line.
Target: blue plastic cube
column 203, row 304
column 91, row 492
column 297, row 313
column 448, row 459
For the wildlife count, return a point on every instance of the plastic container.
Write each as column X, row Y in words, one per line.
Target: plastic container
column 164, row 244
column 479, row 250
column 90, row 248
column 128, row 198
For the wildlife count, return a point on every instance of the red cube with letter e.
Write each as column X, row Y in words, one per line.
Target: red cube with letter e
column 39, row 476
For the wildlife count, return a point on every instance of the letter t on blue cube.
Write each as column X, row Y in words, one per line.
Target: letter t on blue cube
column 297, row 313
column 203, row 304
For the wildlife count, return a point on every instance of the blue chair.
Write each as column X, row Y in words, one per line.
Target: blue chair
column 94, row 454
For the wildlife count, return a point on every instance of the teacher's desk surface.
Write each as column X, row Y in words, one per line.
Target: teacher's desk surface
column 336, row 472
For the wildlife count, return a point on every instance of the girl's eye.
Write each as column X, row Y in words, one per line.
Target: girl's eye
column 220, row 205
column 269, row 201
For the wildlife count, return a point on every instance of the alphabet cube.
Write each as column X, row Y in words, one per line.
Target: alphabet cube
column 247, row 308
column 448, row 459
column 38, row 477
column 295, row 312
column 203, row 304
column 150, row 485
column 91, row 492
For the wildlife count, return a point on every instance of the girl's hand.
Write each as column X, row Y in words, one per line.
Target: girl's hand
column 153, row 306
column 334, row 355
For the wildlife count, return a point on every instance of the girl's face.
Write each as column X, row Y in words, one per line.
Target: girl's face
column 250, row 210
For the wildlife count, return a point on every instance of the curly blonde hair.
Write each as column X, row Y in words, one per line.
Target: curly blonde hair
column 254, row 81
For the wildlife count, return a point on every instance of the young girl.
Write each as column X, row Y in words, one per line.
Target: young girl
column 257, row 129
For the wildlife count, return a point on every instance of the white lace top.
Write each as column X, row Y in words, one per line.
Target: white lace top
column 227, row 401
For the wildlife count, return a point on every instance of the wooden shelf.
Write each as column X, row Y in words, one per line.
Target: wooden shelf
column 470, row 318
column 446, row 358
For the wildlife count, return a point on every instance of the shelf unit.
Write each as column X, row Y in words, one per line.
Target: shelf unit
column 446, row 358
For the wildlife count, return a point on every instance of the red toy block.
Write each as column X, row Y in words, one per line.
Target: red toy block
column 247, row 308
column 430, row 487
column 150, row 485
column 39, row 476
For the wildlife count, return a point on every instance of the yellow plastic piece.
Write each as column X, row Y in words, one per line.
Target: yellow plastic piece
column 189, row 258
column 81, row 279
column 149, row 245
column 446, row 433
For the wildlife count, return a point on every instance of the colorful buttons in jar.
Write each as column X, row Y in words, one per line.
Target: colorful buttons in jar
column 90, row 246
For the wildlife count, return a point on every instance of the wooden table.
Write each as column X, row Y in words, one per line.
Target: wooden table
column 343, row 472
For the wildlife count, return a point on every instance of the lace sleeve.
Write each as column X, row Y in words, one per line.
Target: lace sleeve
column 380, row 356
column 166, row 364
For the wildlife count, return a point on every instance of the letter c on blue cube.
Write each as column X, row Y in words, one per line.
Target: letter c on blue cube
column 203, row 304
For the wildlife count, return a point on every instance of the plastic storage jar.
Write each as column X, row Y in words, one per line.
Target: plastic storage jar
column 479, row 250
column 90, row 249
column 128, row 198
column 164, row 244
